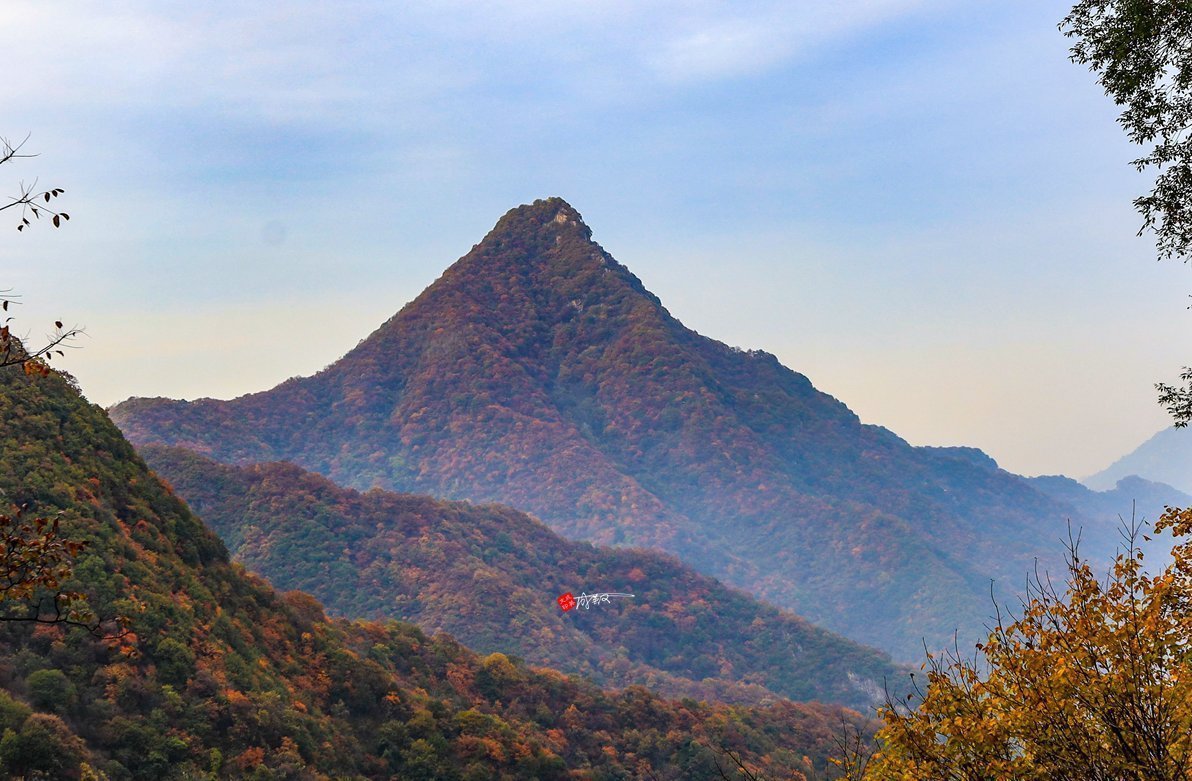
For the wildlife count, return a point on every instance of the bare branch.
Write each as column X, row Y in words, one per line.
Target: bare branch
column 32, row 201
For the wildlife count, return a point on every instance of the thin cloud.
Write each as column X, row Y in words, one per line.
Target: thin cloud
column 730, row 40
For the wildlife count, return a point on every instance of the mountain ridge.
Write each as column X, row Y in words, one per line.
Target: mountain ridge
column 488, row 575
column 538, row 372
column 1166, row 457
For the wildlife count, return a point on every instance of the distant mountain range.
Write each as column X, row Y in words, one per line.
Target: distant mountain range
column 489, row 575
column 540, row 373
column 1166, row 458
column 1144, row 498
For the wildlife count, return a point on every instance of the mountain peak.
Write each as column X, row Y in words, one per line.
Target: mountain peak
column 553, row 209
column 539, row 372
column 538, row 264
column 549, row 214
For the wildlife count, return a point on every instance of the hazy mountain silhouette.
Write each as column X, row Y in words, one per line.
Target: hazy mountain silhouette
column 1165, row 458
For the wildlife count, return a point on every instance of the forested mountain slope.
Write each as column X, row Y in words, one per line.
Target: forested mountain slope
column 538, row 372
column 223, row 677
column 489, row 575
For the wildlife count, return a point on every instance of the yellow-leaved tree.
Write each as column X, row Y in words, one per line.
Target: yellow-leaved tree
column 1092, row 681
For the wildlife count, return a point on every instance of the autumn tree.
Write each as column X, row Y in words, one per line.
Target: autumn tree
column 36, row 559
column 31, row 201
column 1089, row 683
column 13, row 351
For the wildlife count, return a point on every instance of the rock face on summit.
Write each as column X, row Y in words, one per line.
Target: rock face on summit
column 540, row 373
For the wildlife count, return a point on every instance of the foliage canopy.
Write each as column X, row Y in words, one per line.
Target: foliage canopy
column 1141, row 51
column 1093, row 683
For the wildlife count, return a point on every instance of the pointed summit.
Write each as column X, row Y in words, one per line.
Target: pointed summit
column 538, row 226
column 530, row 231
column 537, row 270
column 544, row 245
column 544, row 212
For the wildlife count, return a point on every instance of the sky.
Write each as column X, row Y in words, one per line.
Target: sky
column 922, row 205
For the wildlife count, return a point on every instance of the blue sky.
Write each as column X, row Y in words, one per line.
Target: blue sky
column 920, row 204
